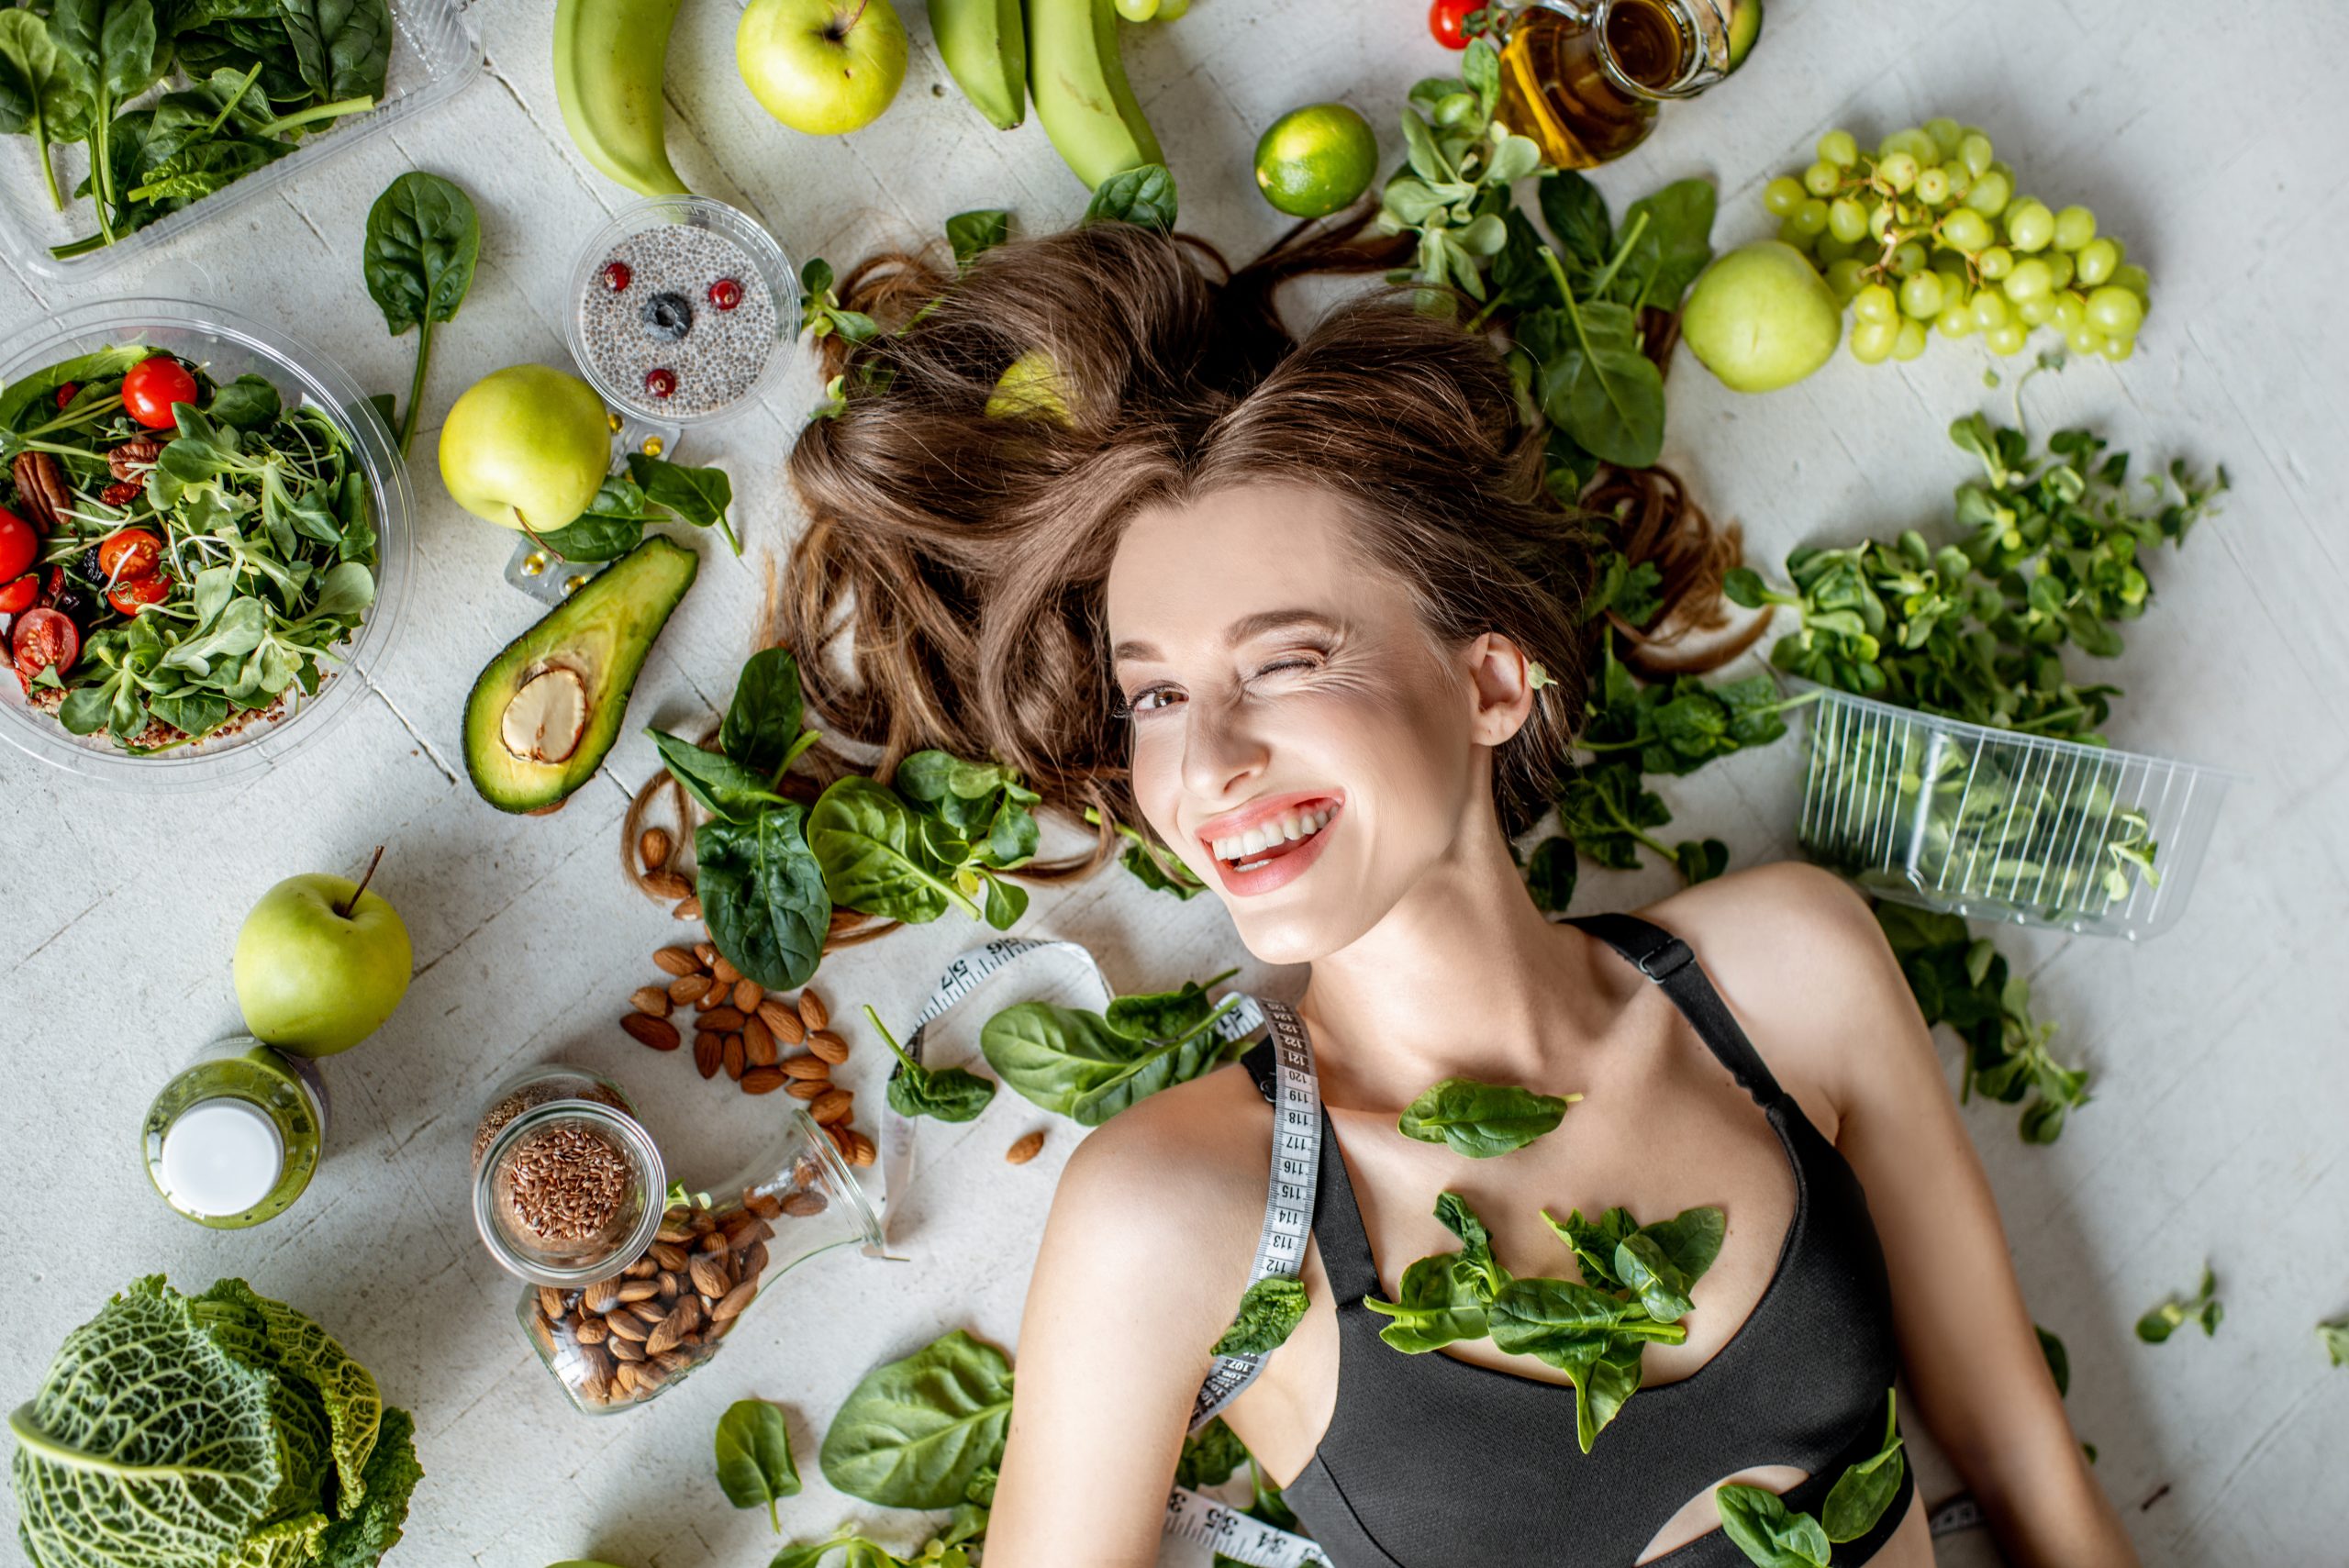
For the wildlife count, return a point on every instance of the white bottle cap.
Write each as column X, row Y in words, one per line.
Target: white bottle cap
column 221, row 1157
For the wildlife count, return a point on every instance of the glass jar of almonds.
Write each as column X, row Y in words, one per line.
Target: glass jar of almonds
column 642, row 1326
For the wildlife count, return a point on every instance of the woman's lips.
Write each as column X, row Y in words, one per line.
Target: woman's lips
column 1277, row 864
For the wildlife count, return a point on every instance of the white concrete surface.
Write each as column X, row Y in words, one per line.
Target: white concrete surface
column 2207, row 138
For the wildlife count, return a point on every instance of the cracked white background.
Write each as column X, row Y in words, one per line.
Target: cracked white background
column 2208, row 139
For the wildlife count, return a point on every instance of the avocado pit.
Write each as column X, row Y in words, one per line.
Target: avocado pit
column 546, row 715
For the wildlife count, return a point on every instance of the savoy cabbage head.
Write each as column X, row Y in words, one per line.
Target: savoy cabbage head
column 221, row 1430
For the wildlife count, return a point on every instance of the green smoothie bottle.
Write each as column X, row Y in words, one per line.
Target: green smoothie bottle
column 236, row 1136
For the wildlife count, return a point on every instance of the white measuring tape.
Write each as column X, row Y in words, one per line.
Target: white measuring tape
column 1280, row 1250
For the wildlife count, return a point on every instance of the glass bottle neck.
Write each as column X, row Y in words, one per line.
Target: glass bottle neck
column 1657, row 50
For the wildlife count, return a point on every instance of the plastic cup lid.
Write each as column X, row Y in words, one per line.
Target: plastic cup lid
column 221, row 1157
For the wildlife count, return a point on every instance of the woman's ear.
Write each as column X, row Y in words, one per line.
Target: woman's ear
column 1501, row 682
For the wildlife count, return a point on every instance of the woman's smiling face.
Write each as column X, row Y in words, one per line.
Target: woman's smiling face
column 1297, row 737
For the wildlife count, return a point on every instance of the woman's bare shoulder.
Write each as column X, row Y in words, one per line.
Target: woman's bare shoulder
column 1190, row 1163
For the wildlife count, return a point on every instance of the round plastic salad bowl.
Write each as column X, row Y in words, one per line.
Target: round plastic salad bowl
column 227, row 345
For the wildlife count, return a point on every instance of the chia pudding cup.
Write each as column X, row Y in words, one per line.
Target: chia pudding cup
column 655, row 327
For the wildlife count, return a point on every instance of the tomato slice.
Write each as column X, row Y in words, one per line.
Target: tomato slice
column 21, row 595
column 135, row 594
column 44, row 639
column 128, row 554
column 152, row 386
column 19, row 544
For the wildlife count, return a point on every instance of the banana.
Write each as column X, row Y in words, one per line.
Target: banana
column 1080, row 89
column 609, row 59
column 985, row 46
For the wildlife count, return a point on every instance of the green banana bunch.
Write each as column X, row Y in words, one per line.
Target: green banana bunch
column 985, row 46
column 608, row 59
column 1079, row 84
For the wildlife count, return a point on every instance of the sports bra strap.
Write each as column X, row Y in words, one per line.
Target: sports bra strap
column 1259, row 1063
column 1665, row 959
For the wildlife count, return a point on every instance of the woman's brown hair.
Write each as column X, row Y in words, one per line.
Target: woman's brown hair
column 963, row 554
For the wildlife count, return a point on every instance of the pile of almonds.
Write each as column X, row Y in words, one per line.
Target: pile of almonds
column 622, row 1338
column 763, row 1042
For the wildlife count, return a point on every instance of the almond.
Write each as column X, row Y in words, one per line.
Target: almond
column 652, row 1000
column 805, row 1066
column 709, row 1274
column 550, row 1302
column 1027, row 1148
column 758, row 1042
column 623, row 1381
column 843, row 1138
column 799, row 1205
column 706, row 952
column 625, row 1326
column 754, row 1261
column 645, row 1030
column 687, row 910
column 723, row 1017
column 861, row 1150
column 808, row 1088
column 688, row 988
column 652, row 848
column 726, row 971
column 745, row 1230
column 831, row 1106
column 783, row 1021
column 669, row 1255
column 734, row 1301
column 711, row 999
column 676, row 960
column 766, row 1206
column 628, row 1347
column 674, row 1328
column 709, row 1051
column 733, row 1057
column 668, row 884
column 827, row 1045
column 644, row 1267
column 812, row 1011
column 591, row 1330
column 713, row 1242
column 761, row 1080
column 749, row 993
column 670, row 1284
column 638, row 1290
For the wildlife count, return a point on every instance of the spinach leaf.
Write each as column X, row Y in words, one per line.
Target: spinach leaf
column 984, row 803
column 697, row 495
column 594, row 535
column 423, row 239
column 1594, row 1242
column 1770, row 1534
column 2059, row 1360
column 2334, row 1338
column 1550, row 875
column 1592, row 1337
column 914, row 1433
column 1644, row 1269
column 1691, row 1238
column 1673, row 245
column 1481, row 1120
column 1576, row 215
column 761, row 729
column 1269, row 1313
column 721, row 786
column 970, row 233
column 343, row 47
column 754, row 1457
column 764, row 897
column 874, row 859
column 950, row 1094
column 40, row 95
column 1864, row 1490
column 1076, row 1064
column 1435, row 1305
column 1476, row 1265
column 1594, row 379
column 250, row 403
column 1210, row 1456
column 1154, row 866
column 1143, row 195
column 820, row 307
column 200, row 170
column 1166, row 1015
column 113, row 42
column 29, row 401
column 2172, row 1315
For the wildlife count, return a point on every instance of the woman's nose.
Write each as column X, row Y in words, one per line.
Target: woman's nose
column 1222, row 749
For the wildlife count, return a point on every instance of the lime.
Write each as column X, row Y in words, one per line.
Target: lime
column 1316, row 160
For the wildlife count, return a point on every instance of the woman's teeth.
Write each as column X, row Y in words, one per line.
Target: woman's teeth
column 1278, row 830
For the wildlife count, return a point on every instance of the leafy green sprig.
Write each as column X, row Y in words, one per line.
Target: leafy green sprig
column 949, row 1094
column 2203, row 1307
column 1151, row 863
column 1089, row 1066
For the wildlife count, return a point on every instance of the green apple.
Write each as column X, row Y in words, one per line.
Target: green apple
column 317, row 972
column 822, row 66
column 1761, row 317
column 526, row 446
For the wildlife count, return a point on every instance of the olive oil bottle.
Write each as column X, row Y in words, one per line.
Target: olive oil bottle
column 1584, row 78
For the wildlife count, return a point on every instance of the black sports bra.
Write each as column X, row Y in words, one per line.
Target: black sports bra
column 1431, row 1461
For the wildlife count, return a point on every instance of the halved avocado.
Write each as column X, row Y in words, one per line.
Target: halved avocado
column 547, row 708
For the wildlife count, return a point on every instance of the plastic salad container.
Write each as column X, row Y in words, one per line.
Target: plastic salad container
column 1996, row 825
column 434, row 54
column 226, row 345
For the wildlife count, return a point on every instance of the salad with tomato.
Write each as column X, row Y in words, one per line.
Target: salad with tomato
column 178, row 556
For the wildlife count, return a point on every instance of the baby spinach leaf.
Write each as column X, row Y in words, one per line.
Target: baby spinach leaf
column 343, row 47
column 1435, row 1305
column 593, row 535
column 1576, row 215
column 914, row 1433
column 1672, row 248
column 1143, row 195
column 1691, row 1238
column 1594, row 379
column 2172, row 1315
column 1594, row 1242
column 754, row 1457
column 2334, row 1338
column 1481, row 1120
column 2059, row 1360
column 1550, row 873
column 29, row 400
column 762, row 895
column 1269, row 1313
column 1771, row 1535
column 761, row 729
column 983, row 802
column 1644, row 1269
column 970, row 233
column 949, row 1094
column 1210, row 1456
column 1593, row 1338
column 250, row 403
column 40, row 95
column 1072, row 1061
column 870, row 846
column 1163, row 1015
column 721, row 786
column 1476, row 1266
column 423, row 239
column 819, row 307
column 1864, row 1490
column 697, row 495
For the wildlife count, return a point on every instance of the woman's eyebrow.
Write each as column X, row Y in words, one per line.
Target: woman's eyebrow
column 1246, row 628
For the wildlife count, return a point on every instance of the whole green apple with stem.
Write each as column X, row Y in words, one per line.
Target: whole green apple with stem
column 527, row 447
column 321, row 963
column 822, row 66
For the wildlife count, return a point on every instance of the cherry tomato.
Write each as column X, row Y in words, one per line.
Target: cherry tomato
column 151, row 387
column 44, row 637
column 68, row 393
column 128, row 555
column 1447, row 19
column 131, row 596
column 18, row 596
column 18, row 545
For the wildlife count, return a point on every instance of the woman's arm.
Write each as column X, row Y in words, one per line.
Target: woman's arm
column 1143, row 1262
column 1967, row 1340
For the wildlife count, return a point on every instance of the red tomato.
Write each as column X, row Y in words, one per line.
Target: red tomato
column 152, row 386
column 128, row 555
column 18, row 545
column 18, row 596
column 44, row 637
column 133, row 595
column 1447, row 19
column 68, row 393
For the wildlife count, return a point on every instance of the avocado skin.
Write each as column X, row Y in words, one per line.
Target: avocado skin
column 602, row 632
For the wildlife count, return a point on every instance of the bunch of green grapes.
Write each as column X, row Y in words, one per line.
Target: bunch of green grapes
column 1929, row 232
